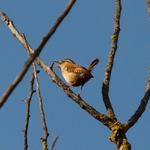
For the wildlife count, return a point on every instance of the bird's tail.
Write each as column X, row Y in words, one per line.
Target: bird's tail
column 94, row 62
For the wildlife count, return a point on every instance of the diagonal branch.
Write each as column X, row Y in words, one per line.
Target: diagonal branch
column 44, row 40
column 93, row 112
column 141, row 107
column 18, row 78
column 108, row 70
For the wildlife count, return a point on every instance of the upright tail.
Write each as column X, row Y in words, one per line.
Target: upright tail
column 94, row 62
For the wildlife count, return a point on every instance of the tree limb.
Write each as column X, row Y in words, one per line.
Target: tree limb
column 45, row 129
column 111, row 56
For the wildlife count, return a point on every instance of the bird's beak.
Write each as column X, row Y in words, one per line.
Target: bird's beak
column 56, row 61
column 56, row 66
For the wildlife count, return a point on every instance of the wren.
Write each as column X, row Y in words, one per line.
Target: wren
column 74, row 74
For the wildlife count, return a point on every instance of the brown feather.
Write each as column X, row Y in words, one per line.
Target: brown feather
column 75, row 68
column 94, row 62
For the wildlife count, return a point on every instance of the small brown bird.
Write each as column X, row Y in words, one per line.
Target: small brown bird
column 75, row 75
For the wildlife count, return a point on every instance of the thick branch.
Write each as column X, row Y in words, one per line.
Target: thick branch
column 101, row 117
column 108, row 70
column 118, row 137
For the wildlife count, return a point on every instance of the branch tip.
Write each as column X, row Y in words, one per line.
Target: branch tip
column 51, row 66
column 37, row 71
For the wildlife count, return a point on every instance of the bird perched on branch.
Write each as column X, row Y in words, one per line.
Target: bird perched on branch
column 74, row 74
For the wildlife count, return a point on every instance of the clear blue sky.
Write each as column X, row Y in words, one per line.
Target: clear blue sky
column 82, row 36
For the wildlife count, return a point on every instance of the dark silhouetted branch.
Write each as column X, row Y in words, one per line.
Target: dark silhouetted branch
column 44, row 40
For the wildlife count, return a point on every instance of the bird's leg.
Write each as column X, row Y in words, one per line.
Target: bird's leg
column 80, row 91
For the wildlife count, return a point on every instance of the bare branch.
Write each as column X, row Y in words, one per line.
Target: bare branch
column 141, row 107
column 108, row 70
column 54, row 141
column 46, row 134
column 44, row 40
column 26, row 66
column 27, row 102
column 118, row 136
column 17, row 79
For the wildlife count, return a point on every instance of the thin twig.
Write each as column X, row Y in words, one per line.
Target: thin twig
column 108, row 70
column 54, row 141
column 45, row 129
column 27, row 102
column 44, row 40
column 35, row 72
